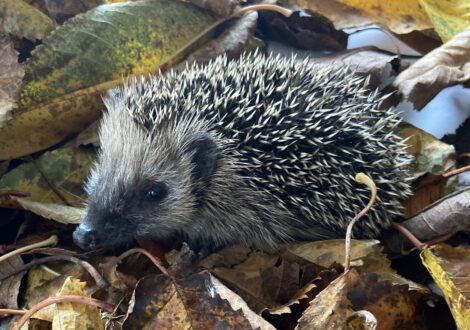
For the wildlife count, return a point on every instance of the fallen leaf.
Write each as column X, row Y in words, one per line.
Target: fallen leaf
column 450, row 268
column 107, row 43
column 448, row 17
column 445, row 66
column 400, row 16
column 75, row 65
column 367, row 256
column 64, row 168
column 60, row 213
column 23, row 20
column 442, row 217
column 10, row 285
column 432, row 157
column 11, row 74
column 362, row 301
column 188, row 299
column 75, row 316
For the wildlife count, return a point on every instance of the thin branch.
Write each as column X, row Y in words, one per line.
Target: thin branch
column 364, row 179
column 50, row 241
column 284, row 11
column 456, row 171
column 100, row 281
column 8, row 311
column 62, row 299
column 152, row 258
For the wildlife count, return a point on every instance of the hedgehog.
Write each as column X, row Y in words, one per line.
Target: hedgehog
column 259, row 151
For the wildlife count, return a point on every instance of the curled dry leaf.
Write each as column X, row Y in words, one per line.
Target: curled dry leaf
column 370, row 61
column 23, row 20
column 11, row 74
column 400, row 16
column 450, row 268
column 450, row 213
column 445, row 66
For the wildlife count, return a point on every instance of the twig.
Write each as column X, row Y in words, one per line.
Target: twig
column 152, row 258
column 50, row 241
column 456, row 171
column 62, row 299
column 364, row 179
column 7, row 311
column 416, row 242
column 284, row 11
column 100, row 281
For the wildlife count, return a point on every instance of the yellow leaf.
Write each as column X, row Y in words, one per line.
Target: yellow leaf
column 448, row 17
column 450, row 268
column 400, row 16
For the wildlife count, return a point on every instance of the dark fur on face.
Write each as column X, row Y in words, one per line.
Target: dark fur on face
column 258, row 151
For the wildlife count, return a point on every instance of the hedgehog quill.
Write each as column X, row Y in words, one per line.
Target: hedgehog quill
column 258, row 151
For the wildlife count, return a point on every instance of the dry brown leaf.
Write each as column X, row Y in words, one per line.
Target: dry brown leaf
column 400, row 16
column 450, row 213
column 10, row 286
column 11, row 74
column 356, row 299
column 445, row 66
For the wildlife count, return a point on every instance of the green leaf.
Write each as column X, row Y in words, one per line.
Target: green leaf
column 108, row 43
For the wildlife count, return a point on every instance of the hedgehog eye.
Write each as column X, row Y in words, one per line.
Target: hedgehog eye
column 156, row 192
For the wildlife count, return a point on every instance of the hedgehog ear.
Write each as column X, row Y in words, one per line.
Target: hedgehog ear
column 204, row 157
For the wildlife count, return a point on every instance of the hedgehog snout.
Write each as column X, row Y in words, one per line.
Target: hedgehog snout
column 85, row 237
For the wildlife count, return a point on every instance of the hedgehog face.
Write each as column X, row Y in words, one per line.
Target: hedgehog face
column 145, row 184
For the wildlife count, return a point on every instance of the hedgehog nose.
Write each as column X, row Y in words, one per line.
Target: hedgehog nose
column 85, row 238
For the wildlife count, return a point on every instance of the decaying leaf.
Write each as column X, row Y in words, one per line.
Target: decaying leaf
column 264, row 280
column 88, row 55
column 107, row 43
column 63, row 170
column 448, row 17
column 366, row 255
column 450, row 268
column 445, row 66
column 364, row 301
column 442, row 217
column 60, row 213
column 431, row 156
column 23, row 20
column 11, row 74
column 10, row 285
column 400, row 16
column 188, row 300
